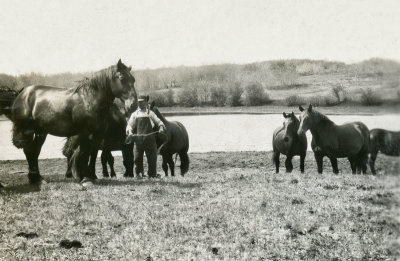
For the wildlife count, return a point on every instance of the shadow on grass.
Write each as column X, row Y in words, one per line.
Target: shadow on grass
column 21, row 189
column 145, row 182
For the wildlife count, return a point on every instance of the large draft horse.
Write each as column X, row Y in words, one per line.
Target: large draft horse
column 286, row 141
column 176, row 141
column 40, row 110
column 349, row 140
column 387, row 142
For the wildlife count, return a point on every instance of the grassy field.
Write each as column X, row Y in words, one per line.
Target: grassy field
column 230, row 206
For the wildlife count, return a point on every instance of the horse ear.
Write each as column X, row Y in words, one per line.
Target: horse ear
column 301, row 108
column 147, row 98
column 153, row 103
column 284, row 115
column 130, row 68
column 310, row 108
column 119, row 64
column 292, row 114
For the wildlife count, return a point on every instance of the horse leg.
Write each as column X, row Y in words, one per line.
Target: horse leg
column 32, row 151
column 302, row 159
column 334, row 165
column 276, row 160
column 353, row 164
column 165, row 164
column 92, row 164
column 22, row 136
column 127, row 158
column 80, row 158
column 68, row 173
column 363, row 160
column 111, row 164
column 104, row 163
column 288, row 163
column 319, row 160
column 171, row 164
column 94, row 148
column 372, row 159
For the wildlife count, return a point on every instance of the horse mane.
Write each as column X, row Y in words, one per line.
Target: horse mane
column 98, row 80
column 159, row 115
column 323, row 119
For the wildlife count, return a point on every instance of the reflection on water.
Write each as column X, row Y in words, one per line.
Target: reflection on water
column 235, row 132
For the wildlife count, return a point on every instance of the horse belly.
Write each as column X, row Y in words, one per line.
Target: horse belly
column 54, row 117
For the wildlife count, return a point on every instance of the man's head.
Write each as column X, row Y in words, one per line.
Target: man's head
column 142, row 101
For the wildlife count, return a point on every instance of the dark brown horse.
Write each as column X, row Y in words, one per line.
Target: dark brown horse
column 349, row 140
column 176, row 141
column 41, row 110
column 384, row 141
column 113, row 140
column 286, row 141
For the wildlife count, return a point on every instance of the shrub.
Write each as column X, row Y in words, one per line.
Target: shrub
column 169, row 97
column 339, row 93
column 369, row 98
column 294, row 100
column 163, row 99
column 233, row 95
column 255, row 95
column 320, row 100
column 187, row 97
column 218, row 96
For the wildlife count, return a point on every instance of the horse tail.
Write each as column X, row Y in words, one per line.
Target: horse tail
column 70, row 146
column 7, row 97
column 183, row 155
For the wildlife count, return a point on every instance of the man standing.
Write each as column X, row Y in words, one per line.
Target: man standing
column 141, row 122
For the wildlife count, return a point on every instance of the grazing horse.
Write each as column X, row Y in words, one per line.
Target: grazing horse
column 349, row 140
column 177, row 141
column 286, row 141
column 113, row 140
column 40, row 110
column 387, row 142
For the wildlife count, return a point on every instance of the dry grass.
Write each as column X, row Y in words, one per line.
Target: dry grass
column 229, row 206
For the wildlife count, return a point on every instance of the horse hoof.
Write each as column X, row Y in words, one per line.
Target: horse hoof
column 87, row 182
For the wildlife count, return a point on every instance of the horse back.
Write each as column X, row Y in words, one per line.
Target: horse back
column 387, row 142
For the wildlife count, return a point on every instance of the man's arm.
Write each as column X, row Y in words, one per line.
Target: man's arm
column 129, row 126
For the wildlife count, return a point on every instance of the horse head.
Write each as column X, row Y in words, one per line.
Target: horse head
column 306, row 120
column 291, row 124
column 123, row 82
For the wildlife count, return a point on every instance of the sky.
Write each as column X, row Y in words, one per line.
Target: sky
column 81, row 35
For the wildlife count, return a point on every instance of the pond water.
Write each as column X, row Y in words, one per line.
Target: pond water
column 227, row 132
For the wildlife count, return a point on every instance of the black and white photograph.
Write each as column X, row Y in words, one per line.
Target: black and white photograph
column 200, row 130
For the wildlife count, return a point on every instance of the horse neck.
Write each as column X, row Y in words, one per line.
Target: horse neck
column 160, row 116
column 98, row 91
column 321, row 127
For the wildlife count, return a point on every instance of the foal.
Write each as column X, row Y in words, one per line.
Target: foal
column 177, row 141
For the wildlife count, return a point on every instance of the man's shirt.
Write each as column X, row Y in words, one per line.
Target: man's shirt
column 154, row 120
